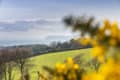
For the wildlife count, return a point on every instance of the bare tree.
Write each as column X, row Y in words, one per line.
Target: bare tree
column 6, row 65
column 3, row 66
column 22, row 60
column 10, row 67
column 11, row 56
column 2, row 71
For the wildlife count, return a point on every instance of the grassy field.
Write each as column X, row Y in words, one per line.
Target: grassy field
column 49, row 60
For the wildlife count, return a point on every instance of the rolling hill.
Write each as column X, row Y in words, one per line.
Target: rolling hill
column 50, row 60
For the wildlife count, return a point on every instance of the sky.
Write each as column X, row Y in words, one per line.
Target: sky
column 40, row 21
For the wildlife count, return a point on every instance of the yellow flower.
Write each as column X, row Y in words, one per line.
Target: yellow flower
column 61, row 78
column 71, row 76
column 113, row 42
column 118, row 35
column 59, row 67
column 93, row 76
column 98, row 51
column 70, row 61
column 101, row 34
column 110, row 70
column 101, row 59
column 107, row 24
column 76, row 66
column 94, row 42
column 64, row 68
column 114, row 30
column 85, row 41
column 54, row 78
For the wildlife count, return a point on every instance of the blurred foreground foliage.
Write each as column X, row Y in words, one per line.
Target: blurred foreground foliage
column 105, row 40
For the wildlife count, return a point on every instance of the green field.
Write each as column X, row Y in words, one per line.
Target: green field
column 50, row 60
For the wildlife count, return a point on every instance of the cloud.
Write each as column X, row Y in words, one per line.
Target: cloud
column 25, row 25
column 58, row 37
column 32, row 31
column 35, row 29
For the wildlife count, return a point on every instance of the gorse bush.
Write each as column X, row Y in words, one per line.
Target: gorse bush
column 105, row 41
column 105, row 44
column 65, row 71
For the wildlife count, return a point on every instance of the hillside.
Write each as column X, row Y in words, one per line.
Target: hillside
column 50, row 60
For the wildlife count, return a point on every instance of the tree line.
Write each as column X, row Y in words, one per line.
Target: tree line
column 54, row 46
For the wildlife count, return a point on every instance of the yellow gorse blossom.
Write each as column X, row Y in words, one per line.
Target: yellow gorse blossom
column 70, row 61
column 93, row 76
column 99, row 52
column 113, row 42
column 76, row 66
column 101, row 43
column 107, row 71
column 107, row 38
column 67, row 70
column 110, row 70
column 61, row 68
column 114, row 29
column 85, row 41
column 107, row 24
column 108, row 35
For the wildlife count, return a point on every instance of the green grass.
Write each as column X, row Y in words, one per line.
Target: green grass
column 50, row 60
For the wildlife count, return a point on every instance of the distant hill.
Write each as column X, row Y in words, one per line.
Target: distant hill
column 54, row 46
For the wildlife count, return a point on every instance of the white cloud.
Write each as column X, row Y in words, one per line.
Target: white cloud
column 36, row 31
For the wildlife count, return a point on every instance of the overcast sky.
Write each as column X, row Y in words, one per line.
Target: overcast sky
column 39, row 21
